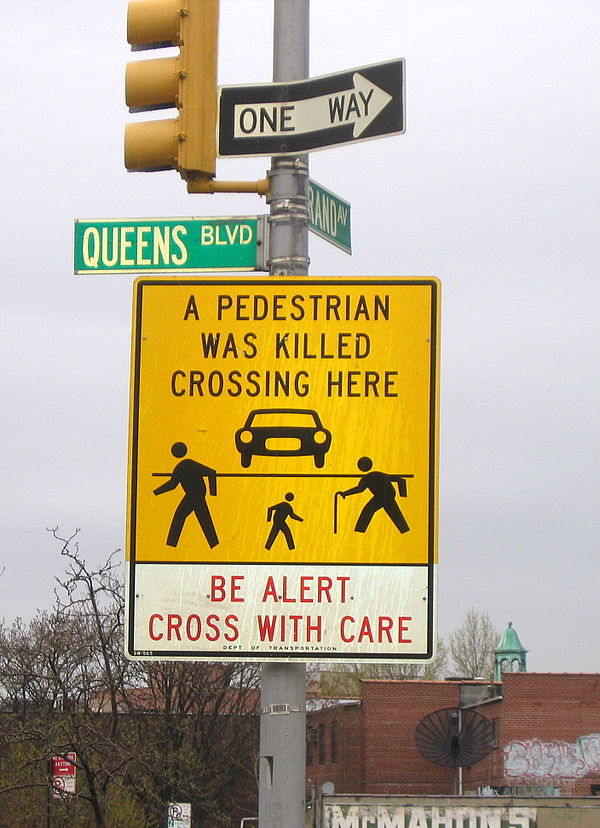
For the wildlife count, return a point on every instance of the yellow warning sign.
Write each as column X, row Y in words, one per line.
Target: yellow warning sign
column 283, row 423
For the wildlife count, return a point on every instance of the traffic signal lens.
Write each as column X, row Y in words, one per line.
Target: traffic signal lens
column 152, row 24
column 151, row 145
column 151, row 84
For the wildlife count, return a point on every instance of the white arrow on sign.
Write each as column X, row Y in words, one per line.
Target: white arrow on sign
column 359, row 105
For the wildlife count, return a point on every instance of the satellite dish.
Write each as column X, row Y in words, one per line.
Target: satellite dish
column 327, row 788
column 454, row 738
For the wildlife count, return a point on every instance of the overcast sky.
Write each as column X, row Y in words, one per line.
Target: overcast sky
column 494, row 188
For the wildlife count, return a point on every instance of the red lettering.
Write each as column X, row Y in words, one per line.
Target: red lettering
column 305, row 586
column 270, row 591
column 236, row 587
column 174, row 626
column 316, row 628
column 285, row 598
column 404, row 629
column 218, row 591
column 347, row 619
column 307, row 590
column 266, row 626
column 211, row 624
column 383, row 628
column 230, row 623
column 193, row 627
column 217, row 588
column 365, row 630
column 153, row 618
column 324, row 588
column 295, row 619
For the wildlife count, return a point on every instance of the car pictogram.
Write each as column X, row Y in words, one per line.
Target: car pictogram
column 283, row 432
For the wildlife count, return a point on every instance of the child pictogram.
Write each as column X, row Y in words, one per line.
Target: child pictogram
column 279, row 514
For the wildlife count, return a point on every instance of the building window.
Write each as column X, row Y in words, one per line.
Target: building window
column 334, row 741
column 595, row 790
column 311, row 742
column 321, row 743
column 496, row 739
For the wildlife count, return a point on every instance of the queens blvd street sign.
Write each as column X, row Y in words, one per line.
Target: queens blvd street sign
column 170, row 245
column 299, row 116
column 283, row 457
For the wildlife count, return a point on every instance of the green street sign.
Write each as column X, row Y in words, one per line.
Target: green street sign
column 329, row 216
column 172, row 245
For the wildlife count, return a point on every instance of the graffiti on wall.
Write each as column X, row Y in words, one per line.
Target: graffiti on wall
column 535, row 759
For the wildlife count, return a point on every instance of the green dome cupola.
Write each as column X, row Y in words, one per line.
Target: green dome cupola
column 509, row 655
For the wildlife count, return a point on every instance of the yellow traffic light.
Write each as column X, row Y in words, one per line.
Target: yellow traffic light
column 187, row 82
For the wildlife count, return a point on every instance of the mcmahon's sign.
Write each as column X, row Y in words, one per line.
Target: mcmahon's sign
column 170, row 245
column 283, row 469
column 312, row 114
column 384, row 815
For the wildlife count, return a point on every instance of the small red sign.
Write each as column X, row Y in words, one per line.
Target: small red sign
column 64, row 765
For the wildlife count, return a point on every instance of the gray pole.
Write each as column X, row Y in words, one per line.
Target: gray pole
column 282, row 768
column 288, row 249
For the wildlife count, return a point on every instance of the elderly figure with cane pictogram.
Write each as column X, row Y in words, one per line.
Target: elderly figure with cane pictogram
column 381, row 487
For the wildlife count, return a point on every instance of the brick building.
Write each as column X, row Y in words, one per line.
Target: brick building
column 546, row 737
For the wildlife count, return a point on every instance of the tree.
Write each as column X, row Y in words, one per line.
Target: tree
column 58, row 671
column 144, row 733
column 472, row 645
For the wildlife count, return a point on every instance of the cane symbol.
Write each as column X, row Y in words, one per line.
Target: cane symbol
column 335, row 511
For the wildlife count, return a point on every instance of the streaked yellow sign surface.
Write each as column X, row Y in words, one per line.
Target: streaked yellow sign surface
column 284, row 422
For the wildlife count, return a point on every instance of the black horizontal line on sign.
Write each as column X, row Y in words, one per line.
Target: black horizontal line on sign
column 221, row 474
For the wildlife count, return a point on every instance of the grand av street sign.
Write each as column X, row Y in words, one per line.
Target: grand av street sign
column 283, row 466
column 300, row 116
column 329, row 216
column 170, row 245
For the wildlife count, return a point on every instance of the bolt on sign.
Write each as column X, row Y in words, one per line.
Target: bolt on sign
column 283, row 469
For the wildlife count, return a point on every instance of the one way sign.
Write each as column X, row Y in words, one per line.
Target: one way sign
column 300, row 116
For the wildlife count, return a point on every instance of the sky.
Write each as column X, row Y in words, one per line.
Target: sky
column 493, row 189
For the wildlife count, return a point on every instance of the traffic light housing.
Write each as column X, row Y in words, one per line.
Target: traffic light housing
column 188, row 82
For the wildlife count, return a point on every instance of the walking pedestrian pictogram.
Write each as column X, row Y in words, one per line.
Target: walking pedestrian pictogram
column 190, row 475
column 279, row 514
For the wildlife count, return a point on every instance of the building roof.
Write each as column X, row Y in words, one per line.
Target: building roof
column 509, row 642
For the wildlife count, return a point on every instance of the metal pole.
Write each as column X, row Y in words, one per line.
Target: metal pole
column 288, row 249
column 49, row 793
column 283, row 685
